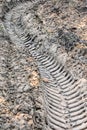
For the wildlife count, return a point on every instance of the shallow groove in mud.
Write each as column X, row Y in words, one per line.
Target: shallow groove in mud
column 64, row 96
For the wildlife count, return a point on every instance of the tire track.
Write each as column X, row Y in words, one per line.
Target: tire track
column 71, row 93
column 64, row 97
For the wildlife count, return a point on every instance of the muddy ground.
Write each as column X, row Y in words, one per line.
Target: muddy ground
column 65, row 24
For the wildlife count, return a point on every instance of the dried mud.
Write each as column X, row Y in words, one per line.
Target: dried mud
column 63, row 32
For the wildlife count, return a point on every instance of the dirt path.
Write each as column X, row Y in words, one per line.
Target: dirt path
column 59, row 31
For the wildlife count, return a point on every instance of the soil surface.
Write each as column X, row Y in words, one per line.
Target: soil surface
column 64, row 33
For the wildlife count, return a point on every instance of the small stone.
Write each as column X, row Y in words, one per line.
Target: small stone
column 8, row 0
column 62, row 58
column 20, row 89
column 26, row 88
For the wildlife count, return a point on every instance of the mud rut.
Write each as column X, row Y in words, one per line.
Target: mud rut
column 64, row 103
